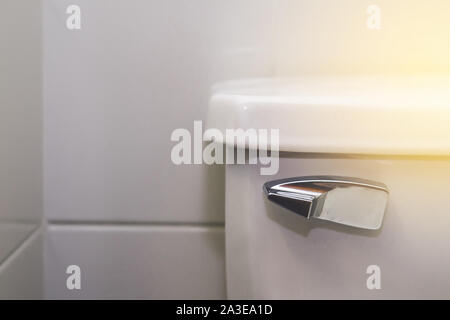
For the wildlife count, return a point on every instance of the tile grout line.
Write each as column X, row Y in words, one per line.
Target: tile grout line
column 18, row 250
column 94, row 223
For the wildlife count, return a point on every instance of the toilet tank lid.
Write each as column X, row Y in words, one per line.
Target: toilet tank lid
column 357, row 115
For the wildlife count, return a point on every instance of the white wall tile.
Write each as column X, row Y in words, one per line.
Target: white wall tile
column 136, row 262
column 116, row 89
column 21, row 274
column 21, row 202
column 12, row 235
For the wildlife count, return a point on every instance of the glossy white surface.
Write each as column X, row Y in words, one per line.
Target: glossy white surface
column 365, row 115
column 274, row 254
column 136, row 262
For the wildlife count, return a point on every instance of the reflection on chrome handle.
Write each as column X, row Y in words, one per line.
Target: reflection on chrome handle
column 350, row 201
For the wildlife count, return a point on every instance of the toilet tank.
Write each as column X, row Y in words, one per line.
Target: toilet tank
column 395, row 131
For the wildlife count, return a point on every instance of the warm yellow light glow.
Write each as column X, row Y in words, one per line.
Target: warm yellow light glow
column 323, row 36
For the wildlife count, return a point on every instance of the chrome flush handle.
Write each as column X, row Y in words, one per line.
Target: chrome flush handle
column 350, row 201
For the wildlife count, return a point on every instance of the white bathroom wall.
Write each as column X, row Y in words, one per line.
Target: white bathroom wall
column 20, row 149
column 333, row 37
column 136, row 224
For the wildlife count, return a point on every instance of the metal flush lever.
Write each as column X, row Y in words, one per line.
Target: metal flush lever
column 349, row 201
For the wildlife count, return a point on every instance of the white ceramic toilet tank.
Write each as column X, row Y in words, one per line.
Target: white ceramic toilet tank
column 395, row 131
